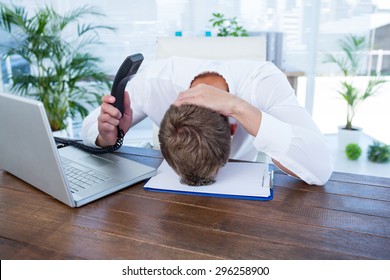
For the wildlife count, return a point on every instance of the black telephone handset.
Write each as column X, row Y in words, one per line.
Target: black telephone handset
column 125, row 73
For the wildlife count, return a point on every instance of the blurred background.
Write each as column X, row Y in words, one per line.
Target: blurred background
column 299, row 33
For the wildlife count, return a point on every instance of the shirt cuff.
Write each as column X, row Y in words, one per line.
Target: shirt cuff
column 91, row 135
column 273, row 137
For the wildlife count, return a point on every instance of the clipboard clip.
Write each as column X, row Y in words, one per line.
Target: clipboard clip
column 268, row 180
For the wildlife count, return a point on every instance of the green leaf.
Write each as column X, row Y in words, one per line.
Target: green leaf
column 378, row 152
column 227, row 26
column 62, row 66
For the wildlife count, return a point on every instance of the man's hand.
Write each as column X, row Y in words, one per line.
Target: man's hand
column 110, row 117
column 224, row 103
column 209, row 97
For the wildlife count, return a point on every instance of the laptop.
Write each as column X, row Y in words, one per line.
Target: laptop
column 72, row 176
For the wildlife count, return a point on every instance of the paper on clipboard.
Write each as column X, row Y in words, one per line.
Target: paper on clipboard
column 241, row 180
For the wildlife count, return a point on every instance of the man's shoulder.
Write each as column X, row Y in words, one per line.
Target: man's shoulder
column 251, row 68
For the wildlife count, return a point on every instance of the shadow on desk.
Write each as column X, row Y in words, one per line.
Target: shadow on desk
column 348, row 218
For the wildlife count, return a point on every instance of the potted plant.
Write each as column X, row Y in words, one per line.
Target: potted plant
column 227, row 26
column 378, row 152
column 64, row 75
column 353, row 48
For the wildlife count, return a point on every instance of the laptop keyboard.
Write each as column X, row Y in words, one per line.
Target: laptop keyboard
column 80, row 177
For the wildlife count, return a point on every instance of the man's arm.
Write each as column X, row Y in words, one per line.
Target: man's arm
column 246, row 114
column 250, row 118
column 292, row 140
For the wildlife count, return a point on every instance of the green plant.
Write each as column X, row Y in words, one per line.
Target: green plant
column 378, row 152
column 353, row 47
column 227, row 26
column 64, row 74
column 353, row 151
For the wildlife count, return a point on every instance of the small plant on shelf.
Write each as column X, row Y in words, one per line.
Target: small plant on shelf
column 227, row 26
column 378, row 152
column 353, row 151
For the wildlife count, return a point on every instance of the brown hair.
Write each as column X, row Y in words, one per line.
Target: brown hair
column 195, row 142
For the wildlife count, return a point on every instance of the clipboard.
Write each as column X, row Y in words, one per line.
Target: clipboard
column 236, row 180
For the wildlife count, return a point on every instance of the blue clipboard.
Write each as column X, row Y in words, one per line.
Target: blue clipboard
column 237, row 180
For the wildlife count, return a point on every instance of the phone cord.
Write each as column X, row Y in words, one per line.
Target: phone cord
column 93, row 150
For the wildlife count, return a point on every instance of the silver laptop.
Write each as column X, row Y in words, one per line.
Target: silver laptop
column 74, row 177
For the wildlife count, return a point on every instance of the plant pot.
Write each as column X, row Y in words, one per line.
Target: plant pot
column 347, row 136
column 66, row 132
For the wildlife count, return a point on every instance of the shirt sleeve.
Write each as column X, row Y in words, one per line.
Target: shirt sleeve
column 89, row 130
column 287, row 132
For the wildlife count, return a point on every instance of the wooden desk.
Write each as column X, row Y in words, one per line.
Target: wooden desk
column 348, row 218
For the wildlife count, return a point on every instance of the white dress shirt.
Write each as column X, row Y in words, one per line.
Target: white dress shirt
column 287, row 132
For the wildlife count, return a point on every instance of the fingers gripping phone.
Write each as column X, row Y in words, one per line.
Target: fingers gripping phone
column 125, row 73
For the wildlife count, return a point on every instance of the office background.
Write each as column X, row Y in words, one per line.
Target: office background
column 309, row 29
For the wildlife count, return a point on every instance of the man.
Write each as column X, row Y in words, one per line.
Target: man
column 256, row 95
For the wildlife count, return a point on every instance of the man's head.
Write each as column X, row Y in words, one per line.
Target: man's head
column 212, row 79
column 195, row 142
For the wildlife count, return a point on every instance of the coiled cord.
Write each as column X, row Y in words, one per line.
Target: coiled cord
column 93, row 150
